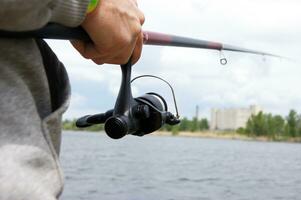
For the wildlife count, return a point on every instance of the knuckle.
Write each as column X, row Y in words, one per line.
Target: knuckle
column 85, row 55
column 142, row 18
column 98, row 61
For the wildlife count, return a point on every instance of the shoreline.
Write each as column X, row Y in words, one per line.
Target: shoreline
column 227, row 136
column 217, row 135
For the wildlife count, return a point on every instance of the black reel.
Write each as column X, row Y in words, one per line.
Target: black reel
column 137, row 116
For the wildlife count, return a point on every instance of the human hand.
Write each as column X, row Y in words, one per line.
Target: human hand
column 115, row 28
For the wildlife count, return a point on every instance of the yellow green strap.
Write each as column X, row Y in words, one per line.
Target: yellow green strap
column 92, row 5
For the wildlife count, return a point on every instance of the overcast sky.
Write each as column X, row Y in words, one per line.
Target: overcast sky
column 198, row 78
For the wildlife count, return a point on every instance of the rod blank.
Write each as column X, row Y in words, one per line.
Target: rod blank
column 55, row 31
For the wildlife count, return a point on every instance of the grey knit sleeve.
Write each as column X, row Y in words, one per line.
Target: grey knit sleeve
column 21, row 15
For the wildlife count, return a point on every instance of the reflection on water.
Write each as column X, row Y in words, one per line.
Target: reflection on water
column 172, row 168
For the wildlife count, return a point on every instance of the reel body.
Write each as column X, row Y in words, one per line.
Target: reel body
column 136, row 116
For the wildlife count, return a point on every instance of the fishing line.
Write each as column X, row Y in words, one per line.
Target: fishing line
column 171, row 88
column 223, row 60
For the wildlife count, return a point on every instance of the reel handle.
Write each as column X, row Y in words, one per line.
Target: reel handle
column 90, row 120
column 123, row 122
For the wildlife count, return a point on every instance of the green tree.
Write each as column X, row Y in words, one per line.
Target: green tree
column 241, row 131
column 204, row 125
column 167, row 128
column 257, row 125
column 299, row 126
column 279, row 125
column 249, row 127
column 274, row 125
column 175, row 130
column 184, row 125
column 292, row 120
column 270, row 126
column 194, row 125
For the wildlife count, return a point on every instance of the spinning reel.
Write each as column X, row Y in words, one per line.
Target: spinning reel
column 136, row 116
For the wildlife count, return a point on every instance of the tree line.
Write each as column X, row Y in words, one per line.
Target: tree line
column 187, row 125
column 266, row 125
column 193, row 125
column 273, row 126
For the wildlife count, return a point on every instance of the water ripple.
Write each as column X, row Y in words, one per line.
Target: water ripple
column 178, row 169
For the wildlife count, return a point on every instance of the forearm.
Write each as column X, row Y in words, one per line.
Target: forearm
column 20, row 15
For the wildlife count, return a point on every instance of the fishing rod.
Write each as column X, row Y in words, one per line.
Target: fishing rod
column 137, row 116
column 56, row 31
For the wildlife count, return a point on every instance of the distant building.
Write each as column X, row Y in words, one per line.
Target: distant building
column 232, row 118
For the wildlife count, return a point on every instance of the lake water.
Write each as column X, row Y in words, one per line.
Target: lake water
column 174, row 168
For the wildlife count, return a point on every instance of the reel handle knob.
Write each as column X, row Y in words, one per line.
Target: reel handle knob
column 116, row 127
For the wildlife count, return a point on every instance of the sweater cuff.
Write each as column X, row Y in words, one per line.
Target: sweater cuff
column 70, row 12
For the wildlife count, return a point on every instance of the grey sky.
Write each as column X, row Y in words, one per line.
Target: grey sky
column 197, row 76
